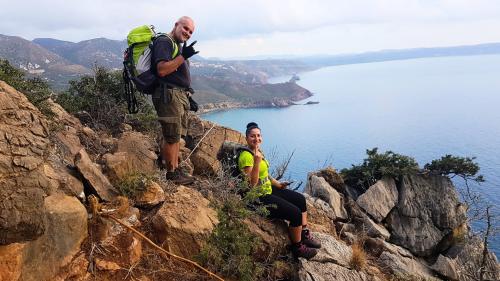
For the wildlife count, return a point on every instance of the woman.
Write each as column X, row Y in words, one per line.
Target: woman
column 288, row 205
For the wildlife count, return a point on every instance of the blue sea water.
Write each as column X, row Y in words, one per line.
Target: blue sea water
column 424, row 108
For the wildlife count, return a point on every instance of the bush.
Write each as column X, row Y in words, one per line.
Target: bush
column 377, row 166
column 230, row 246
column 134, row 183
column 358, row 258
column 100, row 102
column 464, row 167
column 36, row 90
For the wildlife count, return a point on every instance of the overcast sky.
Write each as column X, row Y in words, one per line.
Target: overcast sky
column 236, row 28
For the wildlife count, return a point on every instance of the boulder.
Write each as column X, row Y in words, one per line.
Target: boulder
column 66, row 228
column 374, row 230
column 420, row 221
column 316, row 271
column 135, row 152
column 446, row 267
column 318, row 187
column 379, row 199
column 184, row 221
column 273, row 234
column 95, row 178
column 404, row 267
column 150, row 197
column 205, row 139
column 24, row 147
column 319, row 215
column 332, row 250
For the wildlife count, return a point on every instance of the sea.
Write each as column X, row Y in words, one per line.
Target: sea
column 424, row 108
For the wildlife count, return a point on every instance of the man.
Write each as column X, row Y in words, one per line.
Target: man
column 170, row 98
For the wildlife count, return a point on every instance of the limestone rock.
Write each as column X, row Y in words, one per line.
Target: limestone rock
column 316, row 271
column 66, row 228
column 184, row 221
column 11, row 257
column 274, row 235
column 469, row 258
column 379, row 199
column 96, row 179
column 320, row 215
column 318, row 187
column 420, row 221
column 150, row 197
column 405, row 267
column 332, row 250
column 375, row 230
column 446, row 267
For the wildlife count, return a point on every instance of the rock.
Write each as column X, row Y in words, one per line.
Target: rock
column 405, row 267
column 208, row 138
column 318, row 187
column 469, row 258
column 332, row 250
column 150, row 197
column 95, row 178
column 184, row 221
column 316, row 271
column 332, row 178
column 24, row 148
column 375, row 230
column 76, row 270
column 106, row 265
column 68, row 143
column 273, row 234
column 348, row 237
column 61, row 116
column 379, row 245
column 446, row 267
column 11, row 257
column 66, row 228
column 135, row 152
column 319, row 215
column 420, row 220
column 379, row 199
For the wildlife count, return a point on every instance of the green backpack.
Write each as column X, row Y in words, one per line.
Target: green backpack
column 137, row 63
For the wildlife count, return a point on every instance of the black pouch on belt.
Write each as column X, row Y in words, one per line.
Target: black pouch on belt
column 193, row 105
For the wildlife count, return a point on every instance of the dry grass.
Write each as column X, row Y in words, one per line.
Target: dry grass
column 358, row 258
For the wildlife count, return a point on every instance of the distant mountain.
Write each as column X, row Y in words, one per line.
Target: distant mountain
column 35, row 59
column 101, row 51
column 388, row 55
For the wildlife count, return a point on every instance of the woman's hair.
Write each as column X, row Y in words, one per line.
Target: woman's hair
column 251, row 126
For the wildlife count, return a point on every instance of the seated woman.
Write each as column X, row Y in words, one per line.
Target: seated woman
column 288, row 205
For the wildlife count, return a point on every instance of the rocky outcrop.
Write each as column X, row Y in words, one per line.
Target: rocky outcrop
column 379, row 199
column 184, row 222
column 406, row 268
column 24, row 146
column 318, row 187
column 419, row 221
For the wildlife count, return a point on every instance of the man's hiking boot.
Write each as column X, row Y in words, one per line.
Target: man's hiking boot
column 179, row 177
column 308, row 240
column 300, row 250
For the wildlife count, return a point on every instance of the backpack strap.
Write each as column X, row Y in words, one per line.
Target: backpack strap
column 174, row 45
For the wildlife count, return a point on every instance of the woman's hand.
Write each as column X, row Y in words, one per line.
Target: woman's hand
column 282, row 185
column 257, row 155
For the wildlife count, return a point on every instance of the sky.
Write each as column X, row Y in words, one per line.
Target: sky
column 237, row 28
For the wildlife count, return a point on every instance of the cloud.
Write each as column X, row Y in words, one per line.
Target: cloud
column 239, row 20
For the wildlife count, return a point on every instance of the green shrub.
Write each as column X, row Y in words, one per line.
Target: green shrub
column 36, row 90
column 100, row 102
column 464, row 167
column 377, row 166
column 133, row 183
column 230, row 247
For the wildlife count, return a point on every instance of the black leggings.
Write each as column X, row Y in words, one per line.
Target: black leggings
column 289, row 205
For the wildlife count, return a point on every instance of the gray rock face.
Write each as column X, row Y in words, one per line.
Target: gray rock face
column 405, row 267
column 331, row 262
column 469, row 257
column 318, row 187
column 375, row 230
column 427, row 210
column 446, row 267
column 379, row 199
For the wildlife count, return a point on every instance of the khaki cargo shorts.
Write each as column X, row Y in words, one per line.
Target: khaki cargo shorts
column 172, row 107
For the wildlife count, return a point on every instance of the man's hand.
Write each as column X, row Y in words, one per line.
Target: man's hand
column 188, row 51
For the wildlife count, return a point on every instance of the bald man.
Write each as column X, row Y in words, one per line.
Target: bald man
column 170, row 98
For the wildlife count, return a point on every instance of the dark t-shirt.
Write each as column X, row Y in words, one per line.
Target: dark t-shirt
column 163, row 50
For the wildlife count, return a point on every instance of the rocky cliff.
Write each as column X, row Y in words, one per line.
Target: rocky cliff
column 410, row 228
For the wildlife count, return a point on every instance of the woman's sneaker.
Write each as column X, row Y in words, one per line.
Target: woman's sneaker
column 177, row 177
column 308, row 240
column 300, row 250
